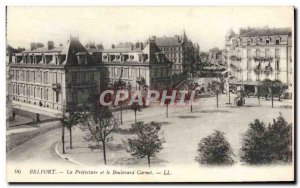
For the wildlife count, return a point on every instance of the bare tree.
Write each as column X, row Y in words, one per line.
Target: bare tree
column 100, row 123
column 147, row 142
column 135, row 107
column 69, row 120
column 215, row 86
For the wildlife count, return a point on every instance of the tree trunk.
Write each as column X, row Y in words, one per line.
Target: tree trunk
column 217, row 100
column 121, row 114
column 104, row 152
column 70, row 138
column 167, row 111
column 148, row 157
column 63, row 138
column 258, row 101
column 191, row 108
column 135, row 116
column 272, row 97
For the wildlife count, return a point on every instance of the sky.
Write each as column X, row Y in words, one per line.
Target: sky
column 206, row 26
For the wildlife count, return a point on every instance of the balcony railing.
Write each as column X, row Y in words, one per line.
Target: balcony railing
column 236, row 68
column 56, row 87
column 257, row 69
column 268, row 69
column 235, row 58
column 257, row 58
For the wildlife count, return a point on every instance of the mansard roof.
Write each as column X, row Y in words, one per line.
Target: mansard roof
column 71, row 49
column 252, row 32
column 168, row 41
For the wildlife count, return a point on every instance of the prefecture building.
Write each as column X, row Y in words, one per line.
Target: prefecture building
column 138, row 65
column 49, row 79
column 255, row 54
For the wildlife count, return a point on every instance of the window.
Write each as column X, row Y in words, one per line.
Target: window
column 257, row 53
column 154, row 72
column 277, row 53
column 267, row 41
column 46, row 77
column 125, row 72
column 257, row 42
column 277, row 76
column 267, row 53
column 46, row 94
column 277, row 41
column 57, row 96
column 249, row 65
column 27, row 76
column 257, row 77
column 277, row 65
column 248, row 43
column 248, row 76
column 82, row 60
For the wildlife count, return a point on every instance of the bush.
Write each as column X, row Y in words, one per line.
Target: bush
column 264, row 144
column 214, row 150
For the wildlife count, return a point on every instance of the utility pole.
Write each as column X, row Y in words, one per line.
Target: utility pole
column 228, row 86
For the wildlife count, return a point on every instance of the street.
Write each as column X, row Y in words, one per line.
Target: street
column 38, row 149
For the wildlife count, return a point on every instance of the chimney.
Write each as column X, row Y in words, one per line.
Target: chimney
column 33, row 46
column 50, row 45
column 142, row 46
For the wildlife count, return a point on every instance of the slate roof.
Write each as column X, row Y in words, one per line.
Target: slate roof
column 44, row 50
column 266, row 32
column 72, row 48
column 167, row 41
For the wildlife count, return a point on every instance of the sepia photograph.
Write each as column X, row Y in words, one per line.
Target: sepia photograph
column 150, row 94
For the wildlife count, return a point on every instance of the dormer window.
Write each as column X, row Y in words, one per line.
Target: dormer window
column 267, row 41
column 257, row 42
column 82, row 60
column 131, row 57
column 277, row 41
column 248, row 43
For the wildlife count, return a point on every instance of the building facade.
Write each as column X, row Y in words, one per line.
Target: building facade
column 138, row 65
column 256, row 54
column 49, row 79
column 179, row 50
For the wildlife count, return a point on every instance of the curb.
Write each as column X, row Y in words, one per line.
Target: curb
column 66, row 158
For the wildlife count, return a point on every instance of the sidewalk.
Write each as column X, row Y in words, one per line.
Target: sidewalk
column 19, row 120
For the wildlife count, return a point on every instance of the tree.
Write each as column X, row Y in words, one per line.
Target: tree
column 264, row 144
column 69, row 120
column 215, row 87
column 120, row 85
column 146, row 142
column 100, row 123
column 214, row 150
column 135, row 107
column 189, row 96
column 265, row 87
column 260, row 93
column 278, row 88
